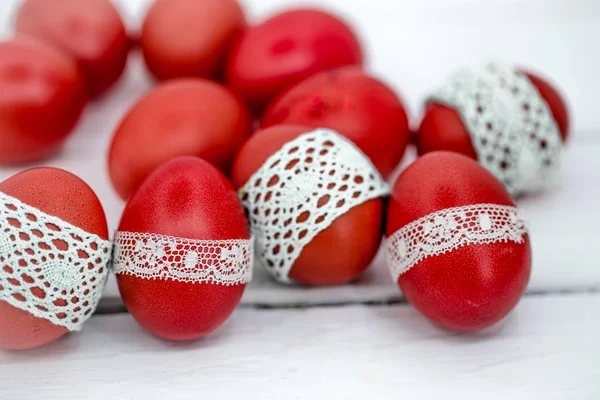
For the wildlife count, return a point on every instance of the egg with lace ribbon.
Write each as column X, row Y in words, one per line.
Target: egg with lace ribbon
column 54, row 255
column 183, row 253
column 458, row 246
column 513, row 122
column 315, row 204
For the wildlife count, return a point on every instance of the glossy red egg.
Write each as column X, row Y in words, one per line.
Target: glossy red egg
column 182, row 117
column 287, row 48
column 442, row 127
column 338, row 253
column 63, row 195
column 185, row 198
column 183, row 38
column 92, row 31
column 471, row 287
column 353, row 103
column 42, row 95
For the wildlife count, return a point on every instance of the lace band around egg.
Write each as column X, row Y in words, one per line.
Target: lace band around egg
column 300, row 191
column 512, row 128
column 451, row 228
column 153, row 256
column 48, row 267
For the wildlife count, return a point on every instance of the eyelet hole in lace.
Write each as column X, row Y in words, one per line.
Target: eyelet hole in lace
column 38, row 292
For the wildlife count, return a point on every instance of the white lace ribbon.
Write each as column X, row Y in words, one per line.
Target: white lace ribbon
column 153, row 256
column 512, row 128
column 301, row 190
column 48, row 267
column 451, row 228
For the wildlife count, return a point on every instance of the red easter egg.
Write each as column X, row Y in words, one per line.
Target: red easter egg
column 443, row 129
column 63, row 195
column 356, row 105
column 287, row 48
column 42, row 95
column 183, row 38
column 556, row 103
column 184, row 198
column 92, row 31
column 183, row 117
column 338, row 253
column 473, row 286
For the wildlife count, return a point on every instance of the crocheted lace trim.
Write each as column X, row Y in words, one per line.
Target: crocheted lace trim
column 153, row 256
column 48, row 267
column 451, row 228
column 301, row 190
column 511, row 126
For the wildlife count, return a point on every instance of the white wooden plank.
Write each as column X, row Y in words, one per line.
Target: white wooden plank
column 548, row 349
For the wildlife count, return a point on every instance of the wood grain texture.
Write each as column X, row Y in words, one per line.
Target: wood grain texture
column 547, row 348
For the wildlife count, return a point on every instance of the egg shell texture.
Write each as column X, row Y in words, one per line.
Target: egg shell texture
column 287, row 48
column 42, row 95
column 354, row 104
column 188, row 198
column 178, row 118
column 183, row 38
column 91, row 31
column 472, row 287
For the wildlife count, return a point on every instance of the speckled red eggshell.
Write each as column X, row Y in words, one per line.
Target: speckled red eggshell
column 353, row 103
column 287, row 48
column 184, row 117
column 442, row 127
column 91, row 31
column 472, row 287
column 188, row 198
column 63, row 195
column 337, row 254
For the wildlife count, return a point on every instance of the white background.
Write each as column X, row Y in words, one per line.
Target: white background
column 547, row 349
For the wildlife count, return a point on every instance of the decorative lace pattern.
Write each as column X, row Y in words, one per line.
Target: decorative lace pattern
column 152, row 256
column 300, row 191
column 451, row 228
column 48, row 267
column 511, row 127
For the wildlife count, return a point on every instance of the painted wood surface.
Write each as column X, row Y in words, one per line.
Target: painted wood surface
column 547, row 349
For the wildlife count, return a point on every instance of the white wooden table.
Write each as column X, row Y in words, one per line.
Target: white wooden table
column 362, row 341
